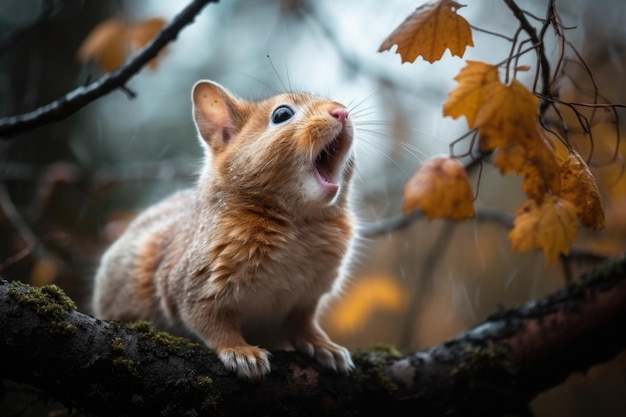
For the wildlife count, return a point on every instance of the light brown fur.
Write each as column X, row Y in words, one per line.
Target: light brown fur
column 245, row 256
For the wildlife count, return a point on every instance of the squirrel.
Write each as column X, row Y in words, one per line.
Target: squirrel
column 245, row 259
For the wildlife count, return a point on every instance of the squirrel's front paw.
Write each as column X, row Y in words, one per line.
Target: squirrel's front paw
column 248, row 362
column 328, row 354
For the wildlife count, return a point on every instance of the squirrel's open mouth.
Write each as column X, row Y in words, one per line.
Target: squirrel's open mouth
column 330, row 159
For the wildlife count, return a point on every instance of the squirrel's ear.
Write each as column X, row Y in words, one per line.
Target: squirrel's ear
column 215, row 112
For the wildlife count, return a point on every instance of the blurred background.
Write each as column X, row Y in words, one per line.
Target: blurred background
column 68, row 189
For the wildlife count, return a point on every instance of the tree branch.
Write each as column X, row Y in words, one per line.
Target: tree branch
column 495, row 368
column 401, row 221
column 81, row 96
column 538, row 43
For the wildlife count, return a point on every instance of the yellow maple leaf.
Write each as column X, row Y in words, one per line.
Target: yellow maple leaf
column 550, row 226
column 429, row 31
column 111, row 42
column 440, row 188
column 578, row 185
column 368, row 295
column 468, row 98
column 508, row 114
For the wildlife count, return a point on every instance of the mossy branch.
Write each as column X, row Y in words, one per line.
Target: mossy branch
column 495, row 368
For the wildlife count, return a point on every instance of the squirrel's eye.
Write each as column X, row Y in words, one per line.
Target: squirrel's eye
column 282, row 114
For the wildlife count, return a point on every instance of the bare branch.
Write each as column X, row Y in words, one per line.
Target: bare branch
column 81, row 96
column 401, row 221
column 483, row 214
column 538, row 42
column 489, row 32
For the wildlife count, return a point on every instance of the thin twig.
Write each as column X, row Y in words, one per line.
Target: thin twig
column 489, row 32
column 541, row 53
column 401, row 221
column 81, row 96
column 508, row 61
column 560, row 35
column 479, row 177
column 564, row 137
column 519, row 54
column 537, row 18
column 390, row 224
column 597, row 95
column 474, row 134
column 516, row 56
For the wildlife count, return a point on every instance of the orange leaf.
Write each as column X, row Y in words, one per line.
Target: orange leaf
column 142, row 32
column 578, row 185
column 440, row 188
column 111, row 42
column 363, row 299
column 469, row 96
column 429, row 31
column 536, row 162
column 510, row 114
column 103, row 45
column 550, row 226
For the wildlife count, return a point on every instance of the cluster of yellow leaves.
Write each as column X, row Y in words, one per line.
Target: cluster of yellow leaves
column 368, row 295
column 552, row 224
column 562, row 191
column 111, row 42
column 506, row 119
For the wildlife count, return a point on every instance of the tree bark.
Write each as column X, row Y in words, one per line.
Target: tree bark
column 493, row 369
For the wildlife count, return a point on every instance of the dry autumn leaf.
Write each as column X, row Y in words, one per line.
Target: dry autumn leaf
column 376, row 293
column 440, row 188
column 429, row 31
column 111, row 42
column 560, row 149
column 578, row 185
column 103, row 45
column 536, row 163
column 468, row 98
column 509, row 114
column 550, row 226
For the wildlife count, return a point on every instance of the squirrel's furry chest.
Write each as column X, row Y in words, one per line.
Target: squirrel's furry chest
column 291, row 277
column 252, row 260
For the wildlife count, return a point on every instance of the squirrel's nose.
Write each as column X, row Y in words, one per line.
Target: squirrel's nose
column 340, row 114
